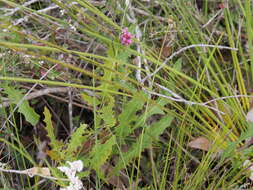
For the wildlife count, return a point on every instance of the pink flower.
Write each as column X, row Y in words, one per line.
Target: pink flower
column 126, row 37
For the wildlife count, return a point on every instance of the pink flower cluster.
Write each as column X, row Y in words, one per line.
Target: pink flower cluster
column 126, row 37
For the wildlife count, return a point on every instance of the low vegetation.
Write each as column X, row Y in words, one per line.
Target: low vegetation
column 141, row 94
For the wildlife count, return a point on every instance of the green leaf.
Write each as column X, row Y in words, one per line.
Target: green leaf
column 230, row 150
column 156, row 109
column 128, row 115
column 178, row 64
column 100, row 153
column 151, row 133
column 15, row 96
column 54, row 143
column 10, row 37
column 107, row 114
column 84, row 174
column 109, row 75
column 91, row 101
column 76, row 140
column 123, row 56
column 248, row 133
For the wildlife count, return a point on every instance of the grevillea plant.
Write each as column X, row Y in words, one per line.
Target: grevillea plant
column 149, row 75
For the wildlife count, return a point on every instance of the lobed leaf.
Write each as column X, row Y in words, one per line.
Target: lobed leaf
column 16, row 97
column 55, row 144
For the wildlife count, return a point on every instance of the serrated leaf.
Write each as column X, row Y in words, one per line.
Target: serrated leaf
column 128, row 115
column 154, row 131
column 54, row 143
column 156, row 109
column 108, row 74
column 92, row 101
column 123, row 56
column 248, row 133
column 76, row 140
column 231, row 148
column 151, row 133
column 229, row 151
column 100, row 153
column 15, row 96
column 153, row 109
column 107, row 113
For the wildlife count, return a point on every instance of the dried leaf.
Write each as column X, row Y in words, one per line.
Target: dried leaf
column 38, row 171
column 248, row 164
column 249, row 116
column 201, row 143
column 166, row 51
